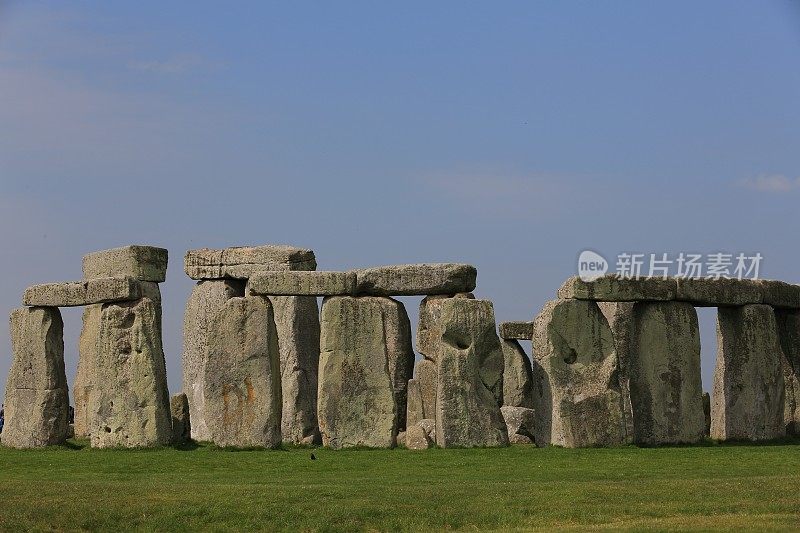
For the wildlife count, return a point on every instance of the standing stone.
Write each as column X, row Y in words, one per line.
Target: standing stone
column 788, row 322
column 577, row 396
column 242, row 377
column 517, row 376
column 37, row 399
column 366, row 360
column 421, row 435
column 620, row 318
column 206, row 300
column 129, row 400
column 521, row 422
column 748, row 393
column 181, row 425
column 85, row 375
column 666, row 391
column 470, row 374
column 422, row 392
column 428, row 332
column 297, row 323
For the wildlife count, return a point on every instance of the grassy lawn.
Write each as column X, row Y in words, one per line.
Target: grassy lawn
column 704, row 487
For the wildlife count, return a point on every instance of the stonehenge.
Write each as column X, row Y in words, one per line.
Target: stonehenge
column 613, row 361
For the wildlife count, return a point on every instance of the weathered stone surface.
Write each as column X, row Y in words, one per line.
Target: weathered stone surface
column 129, row 401
column 577, row 396
column 748, row 393
column 181, row 422
column 297, row 325
column 417, row 438
column 76, row 293
column 87, row 360
column 303, row 283
column 788, row 322
column 705, row 292
column 620, row 318
column 145, row 263
column 616, row 289
column 779, row 293
column 422, row 392
column 242, row 377
column 206, row 300
column 420, row 279
column 37, row 400
column 664, row 371
column 517, row 377
column 521, row 331
column 243, row 261
column 520, row 422
column 428, row 333
column 470, row 376
column 366, row 360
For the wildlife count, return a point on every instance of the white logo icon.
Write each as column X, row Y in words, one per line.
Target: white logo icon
column 591, row 265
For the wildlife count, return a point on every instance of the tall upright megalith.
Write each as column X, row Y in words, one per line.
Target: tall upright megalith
column 227, row 273
column 37, row 399
column 242, row 375
column 577, row 397
column 749, row 389
column 129, row 402
column 664, row 373
column 206, row 300
column 87, row 359
column 366, row 360
column 788, row 322
column 470, row 365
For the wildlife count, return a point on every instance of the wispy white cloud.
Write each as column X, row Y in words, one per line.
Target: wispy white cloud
column 770, row 183
column 174, row 65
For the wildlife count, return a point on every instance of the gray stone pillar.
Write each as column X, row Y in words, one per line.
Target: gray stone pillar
column 37, row 399
column 747, row 401
column 365, row 363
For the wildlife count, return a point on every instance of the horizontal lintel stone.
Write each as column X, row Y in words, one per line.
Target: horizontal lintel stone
column 145, row 263
column 242, row 262
column 416, row 280
column 708, row 292
column 302, row 283
column 516, row 330
column 77, row 293
column 618, row 289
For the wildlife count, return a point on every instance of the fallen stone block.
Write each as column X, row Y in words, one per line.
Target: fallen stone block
column 243, row 261
column 36, row 400
column 145, row 263
column 749, row 389
column 242, row 379
column 422, row 392
column 416, row 280
column 365, row 362
column 577, row 396
column 520, row 422
column 664, row 371
column 617, row 289
column 206, row 300
column 517, row 376
column 470, row 366
column 522, row 331
column 181, row 425
column 77, row 293
column 129, row 401
column 302, row 283
column 704, row 292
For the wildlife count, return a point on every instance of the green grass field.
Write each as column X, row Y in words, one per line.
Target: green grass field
column 703, row 487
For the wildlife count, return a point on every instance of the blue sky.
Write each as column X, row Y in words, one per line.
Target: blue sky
column 511, row 136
